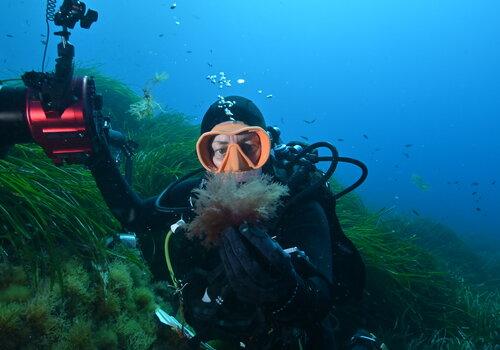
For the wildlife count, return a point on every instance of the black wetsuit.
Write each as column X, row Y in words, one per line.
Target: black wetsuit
column 305, row 226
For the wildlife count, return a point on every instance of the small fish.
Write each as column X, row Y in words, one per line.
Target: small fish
column 9, row 35
column 309, row 121
column 161, row 35
column 209, row 64
column 365, row 136
column 415, row 212
column 475, row 183
column 408, row 145
column 493, row 182
column 189, row 51
column 406, row 155
column 418, row 181
column 377, row 149
column 43, row 35
column 474, row 193
column 305, row 138
column 456, row 182
column 478, row 209
column 282, row 120
column 340, row 140
column 173, row 6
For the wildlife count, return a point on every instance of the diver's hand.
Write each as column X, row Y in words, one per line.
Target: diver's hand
column 258, row 269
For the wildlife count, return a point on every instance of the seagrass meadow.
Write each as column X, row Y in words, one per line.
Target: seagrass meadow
column 61, row 287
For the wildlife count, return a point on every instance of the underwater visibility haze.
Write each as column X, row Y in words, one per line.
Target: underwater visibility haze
column 410, row 88
column 418, row 79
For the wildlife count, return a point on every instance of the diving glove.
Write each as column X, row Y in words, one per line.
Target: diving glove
column 262, row 273
column 258, row 269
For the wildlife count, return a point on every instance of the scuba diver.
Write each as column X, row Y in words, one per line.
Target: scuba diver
column 268, row 285
column 263, row 282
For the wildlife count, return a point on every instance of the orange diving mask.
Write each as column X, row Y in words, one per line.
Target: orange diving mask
column 233, row 147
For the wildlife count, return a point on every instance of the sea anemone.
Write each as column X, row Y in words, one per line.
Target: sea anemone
column 223, row 202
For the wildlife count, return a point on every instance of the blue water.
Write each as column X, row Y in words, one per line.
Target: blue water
column 424, row 73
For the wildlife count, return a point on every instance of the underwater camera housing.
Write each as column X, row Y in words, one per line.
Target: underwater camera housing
column 56, row 110
column 66, row 134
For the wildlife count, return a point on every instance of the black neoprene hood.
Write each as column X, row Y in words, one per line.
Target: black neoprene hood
column 243, row 110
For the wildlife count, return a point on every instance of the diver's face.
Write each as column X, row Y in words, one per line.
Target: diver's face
column 249, row 143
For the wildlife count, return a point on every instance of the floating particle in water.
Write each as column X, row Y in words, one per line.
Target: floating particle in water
column 474, row 193
column 415, row 212
column 189, row 51
column 177, row 22
column 161, row 35
column 407, row 155
column 240, row 81
column 478, row 209
column 259, row 91
column 475, row 183
column 408, row 145
column 493, row 182
column 365, row 136
column 340, row 140
column 269, row 96
column 305, row 138
column 309, row 121
column 396, row 197
column 209, row 64
column 173, row 6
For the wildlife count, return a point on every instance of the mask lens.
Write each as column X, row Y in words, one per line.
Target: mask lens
column 250, row 145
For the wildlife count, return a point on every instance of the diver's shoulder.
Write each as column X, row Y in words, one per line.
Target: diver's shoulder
column 178, row 194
